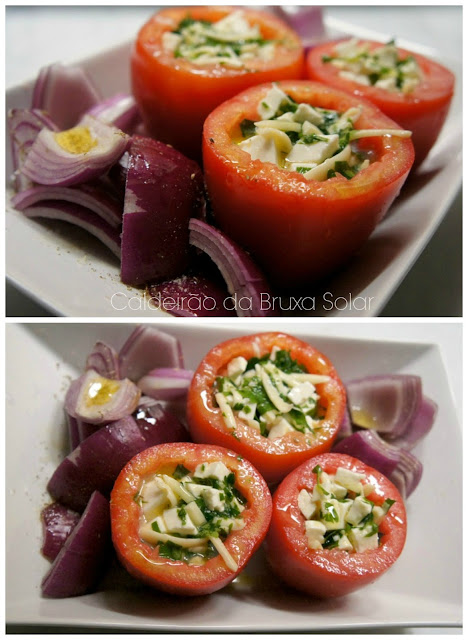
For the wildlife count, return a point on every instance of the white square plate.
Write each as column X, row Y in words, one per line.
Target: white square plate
column 423, row 588
column 71, row 273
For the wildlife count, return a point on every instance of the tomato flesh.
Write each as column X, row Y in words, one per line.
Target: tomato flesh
column 175, row 96
column 423, row 111
column 273, row 458
column 330, row 573
column 299, row 230
column 142, row 560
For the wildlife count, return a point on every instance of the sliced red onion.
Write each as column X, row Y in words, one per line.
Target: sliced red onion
column 420, row 426
column 120, row 110
column 73, row 431
column 79, row 565
column 386, row 403
column 97, row 461
column 48, row 163
column 243, row 278
column 166, row 384
column 149, row 411
column 164, row 190
column 105, row 360
column 192, row 296
column 66, row 93
column 79, row 216
column 400, row 466
column 58, row 522
column 95, row 196
column 148, row 348
column 98, row 400
column 346, row 428
column 307, row 21
column 24, row 126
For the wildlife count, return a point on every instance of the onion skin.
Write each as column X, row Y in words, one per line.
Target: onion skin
column 66, row 93
column 97, row 461
column 79, row 564
column 243, row 278
column 420, row 426
column 148, row 348
column 163, row 191
column 120, row 111
column 57, row 524
column 157, row 383
column 105, row 360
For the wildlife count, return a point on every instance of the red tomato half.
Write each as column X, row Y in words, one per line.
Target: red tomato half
column 175, row 95
column 328, row 573
column 142, row 560
column 299, row 230
column 273, row 458
column 423, row 111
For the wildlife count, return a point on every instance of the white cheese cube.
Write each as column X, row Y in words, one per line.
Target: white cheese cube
column 316, row 152
column 359, row 510
column 170, row 41
column 320, row 172
column 310, row 129
column 306, row 112
column 301, row 392
column 307, row 506
column 261, row 147
column 388, row 83
column 280, row 428
column 175, row 524
column 212, row 497
column 216, row 470
column 336, row 509
column 378, row 514
column 315, row 534
column 349, row 479
column 155, row 495
column 360, row 541
column 345, row 544
column 236, row 366
column 161, row 524
column 271, row 102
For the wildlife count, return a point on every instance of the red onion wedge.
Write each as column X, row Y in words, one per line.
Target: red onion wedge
column 74, row 156
column 148, row 348
column 192, row 296
column 400, row 466
column 79, row 564
column 99, row 400
column 120, row 110
column 166, row 384
column 57, row 524
column 24, row 126
column 66, row 93
column 104, row 359
column 244, row 280
column 387, row 403
column 164, row 189
column 79, row 216
column 420, row 426
column 95, row 196
column 97, row 461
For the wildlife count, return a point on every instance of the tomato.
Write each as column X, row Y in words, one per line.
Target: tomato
column 273, row 458
column 143, row 561
column 423, row 111
column 327, row 573
column 175, row 96
column 299, row 230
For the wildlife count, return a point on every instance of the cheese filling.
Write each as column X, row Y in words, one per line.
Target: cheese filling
column 338, row 515
column 189, row 515
column 273, row 394
column 230, row 42
column 318, row 143
column 381, row 67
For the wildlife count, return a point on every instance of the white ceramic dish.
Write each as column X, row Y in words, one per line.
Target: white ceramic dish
column 423, row 589
column 70, row 273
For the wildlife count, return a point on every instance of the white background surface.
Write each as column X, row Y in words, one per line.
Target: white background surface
column 36, row 36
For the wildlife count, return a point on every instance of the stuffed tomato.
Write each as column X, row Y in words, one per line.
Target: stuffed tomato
column 412, row 90
column 186, row 518
column 186, row 61
column 299, row 174
column 271, row 397
column 337, row 525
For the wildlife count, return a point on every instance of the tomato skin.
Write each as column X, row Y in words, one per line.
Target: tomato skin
column 299, row 230
column 330, row 573
column 175, row 96
column 142, row 560
column 423, row 111
column 273, row 458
